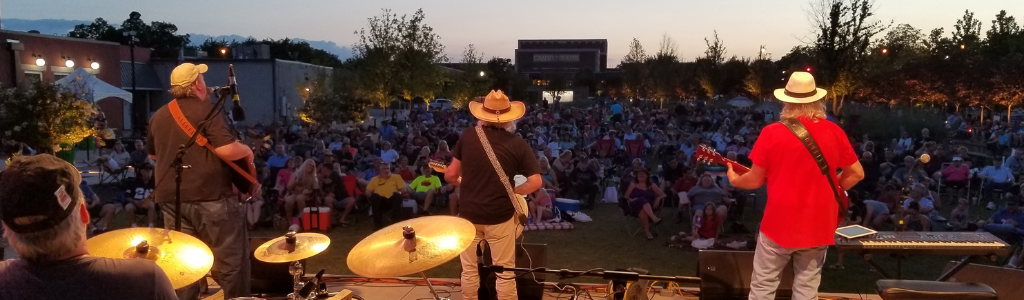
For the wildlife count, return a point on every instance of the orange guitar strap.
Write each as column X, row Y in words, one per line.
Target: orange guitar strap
column 189, row 130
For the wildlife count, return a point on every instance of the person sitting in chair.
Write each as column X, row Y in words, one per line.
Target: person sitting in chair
column 136, row 193
column 425, row 188
column 385, row 193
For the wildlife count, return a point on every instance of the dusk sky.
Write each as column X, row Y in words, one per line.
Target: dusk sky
column 495, row 26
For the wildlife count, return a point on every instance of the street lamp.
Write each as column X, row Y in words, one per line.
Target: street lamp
column 885, row 51
column 223, row 51
column 95, row 65
column 962, row 46
column 481, row 73
column 131, row 43
column 40, row 62
column 69, row 63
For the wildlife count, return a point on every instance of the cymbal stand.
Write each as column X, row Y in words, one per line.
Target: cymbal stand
column 409, row 244
column 294, row 268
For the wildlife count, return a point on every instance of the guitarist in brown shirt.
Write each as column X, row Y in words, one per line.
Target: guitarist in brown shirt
column 485, row 198
column 210, row 211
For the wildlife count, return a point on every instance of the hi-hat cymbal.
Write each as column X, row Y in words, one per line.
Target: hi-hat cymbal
column 184, row 258
column 438, row 239
column 281, row 249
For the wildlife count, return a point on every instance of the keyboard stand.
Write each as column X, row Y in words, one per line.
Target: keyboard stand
column 899, row 266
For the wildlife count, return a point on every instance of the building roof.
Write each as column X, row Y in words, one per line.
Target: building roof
column 145, row 77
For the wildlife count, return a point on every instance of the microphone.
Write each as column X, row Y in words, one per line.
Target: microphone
column 311, row 285
column 237, row 112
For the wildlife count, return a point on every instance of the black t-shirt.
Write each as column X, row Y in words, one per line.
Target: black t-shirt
column 483, row 199
column 136, row 189
column 584, row 178
column 670, row 173
column 209, row 178
column 85, row 277
column 337, row 186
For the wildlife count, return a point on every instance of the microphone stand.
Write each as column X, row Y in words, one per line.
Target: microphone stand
column 179, row 166
column 905, row 193
column 608, row 275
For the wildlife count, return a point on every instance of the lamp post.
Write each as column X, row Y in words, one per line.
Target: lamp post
column 131, row 43
column 760, row 55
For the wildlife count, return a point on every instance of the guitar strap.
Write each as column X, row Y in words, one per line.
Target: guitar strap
column 189, row 130
column 805, row 138
column 501, row 172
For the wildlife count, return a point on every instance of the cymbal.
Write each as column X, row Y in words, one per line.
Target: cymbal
column 305, row 245
column 438, row 239
column 184, row 258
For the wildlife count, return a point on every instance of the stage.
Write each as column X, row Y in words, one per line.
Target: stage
column 414, row 288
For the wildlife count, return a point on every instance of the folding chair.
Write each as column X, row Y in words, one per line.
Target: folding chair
column 109, row 176
column 632, row 218
column 635, row 148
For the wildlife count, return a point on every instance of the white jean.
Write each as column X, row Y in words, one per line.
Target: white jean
column 769, row 261
column 502, row 240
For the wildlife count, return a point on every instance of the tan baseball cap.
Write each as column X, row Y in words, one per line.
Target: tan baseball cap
column 186, row 73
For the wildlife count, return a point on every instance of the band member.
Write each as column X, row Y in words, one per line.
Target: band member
column 45, row 218
column 796, row 190
column 209, row 211
column 484, row 200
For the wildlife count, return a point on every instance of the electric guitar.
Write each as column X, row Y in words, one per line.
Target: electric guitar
column 708, row 155
column 522, row 210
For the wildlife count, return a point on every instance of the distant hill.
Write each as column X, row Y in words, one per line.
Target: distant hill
column 62, row 27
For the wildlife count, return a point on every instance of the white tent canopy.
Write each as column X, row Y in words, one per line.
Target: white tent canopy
column 94, row 88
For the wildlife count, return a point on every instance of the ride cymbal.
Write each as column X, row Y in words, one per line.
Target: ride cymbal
column 436, row 240
column 184, row 258
column 292, row 247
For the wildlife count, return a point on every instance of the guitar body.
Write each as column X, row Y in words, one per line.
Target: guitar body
column 522, row 210
column 243, row 184
column 708, row 155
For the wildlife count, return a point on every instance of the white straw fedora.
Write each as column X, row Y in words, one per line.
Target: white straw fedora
column 800, row 89
column 497, row 108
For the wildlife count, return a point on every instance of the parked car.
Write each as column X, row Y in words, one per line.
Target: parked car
column 441, row 104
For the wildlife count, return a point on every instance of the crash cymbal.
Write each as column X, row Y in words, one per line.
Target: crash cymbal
column 184, row 258
column 283, row 249
column 438, row 239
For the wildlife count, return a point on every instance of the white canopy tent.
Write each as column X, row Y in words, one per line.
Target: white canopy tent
column 94, row 88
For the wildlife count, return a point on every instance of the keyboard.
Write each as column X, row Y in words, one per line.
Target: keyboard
column 926, row 243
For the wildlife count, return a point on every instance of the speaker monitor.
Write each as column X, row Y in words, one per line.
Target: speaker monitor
column 269, row 278
column 526, row 287
column 725, row 275
column 1006, row 282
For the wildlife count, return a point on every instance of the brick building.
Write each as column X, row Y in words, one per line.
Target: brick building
column 580, row 63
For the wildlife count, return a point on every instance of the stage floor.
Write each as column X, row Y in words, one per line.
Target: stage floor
column 415, row 289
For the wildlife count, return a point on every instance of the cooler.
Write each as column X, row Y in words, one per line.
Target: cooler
column 567, row 205
column 316, row 218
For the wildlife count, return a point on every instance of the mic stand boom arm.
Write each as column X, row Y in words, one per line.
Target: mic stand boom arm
column 177, row 164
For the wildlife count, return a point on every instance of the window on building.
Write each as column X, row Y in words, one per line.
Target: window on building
column 565, row 58
column 540, row 82
column 59, row 76
column 33, row 77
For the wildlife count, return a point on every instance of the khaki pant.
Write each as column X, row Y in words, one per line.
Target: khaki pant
column 770, row 259
column 221, row 225
column 502, row 240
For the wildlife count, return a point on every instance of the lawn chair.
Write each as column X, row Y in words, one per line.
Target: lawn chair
column 632, row 218
column 635, row 148
column 605, row 147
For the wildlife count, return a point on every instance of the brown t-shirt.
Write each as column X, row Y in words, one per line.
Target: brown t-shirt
column 209, row 178
column 483, row 199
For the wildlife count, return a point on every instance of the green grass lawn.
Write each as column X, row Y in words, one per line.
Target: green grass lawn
column 604, row 243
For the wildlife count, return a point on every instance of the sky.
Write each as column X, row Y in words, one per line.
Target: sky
column 494, row 27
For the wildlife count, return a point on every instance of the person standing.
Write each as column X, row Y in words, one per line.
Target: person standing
column 210, row 210
column 484, row 200
column 44, row 218
column 797, row 189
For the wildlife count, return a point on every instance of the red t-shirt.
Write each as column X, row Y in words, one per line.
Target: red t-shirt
column 801, row 211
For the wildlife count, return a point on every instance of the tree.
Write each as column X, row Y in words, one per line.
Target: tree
column 761, row 79
column 664, row 70
column 329, row 99
column 843, row 31
column 47, row 117
column 212, row 47
column 98, row 30
column 290, row 49
column 634, row 71
column 709, row 74
column 474, row 81
column 398, row 56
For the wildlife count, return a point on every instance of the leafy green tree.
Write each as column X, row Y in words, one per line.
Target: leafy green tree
column 843, row 30
column 97, row 30
column 47, row 117
column 162, row 37
column 709, row 73
column 634, row 71
column 663, row 70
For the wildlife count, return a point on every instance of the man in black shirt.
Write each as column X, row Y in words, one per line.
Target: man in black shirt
column 45, row 219
column 584, row 181
column 210, row 210
column 136, row 192
column 484, row 200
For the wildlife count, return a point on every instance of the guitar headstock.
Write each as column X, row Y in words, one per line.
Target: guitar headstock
column 438, row 166
column 708, row 155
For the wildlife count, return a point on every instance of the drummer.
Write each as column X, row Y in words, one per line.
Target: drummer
column 44, row 219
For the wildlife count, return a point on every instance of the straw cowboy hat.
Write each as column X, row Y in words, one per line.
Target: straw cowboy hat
column 497, row 108
column 800, row 89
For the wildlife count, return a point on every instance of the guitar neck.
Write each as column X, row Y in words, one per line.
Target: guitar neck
column 740, row 169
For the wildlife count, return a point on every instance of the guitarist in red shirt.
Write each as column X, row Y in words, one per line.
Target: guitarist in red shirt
column 210, row 210
column 485, row 200
column 801, row 215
